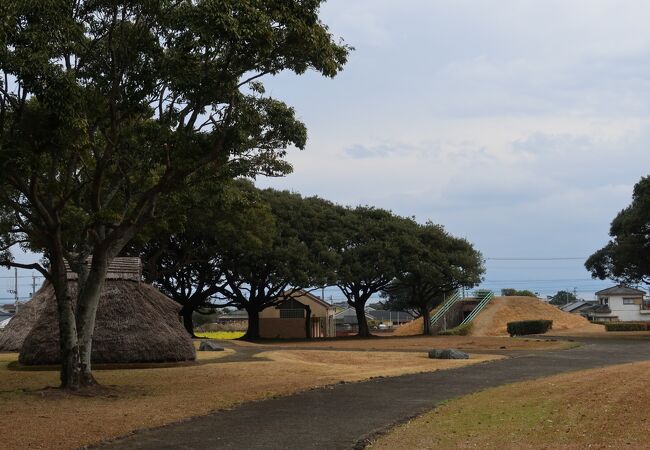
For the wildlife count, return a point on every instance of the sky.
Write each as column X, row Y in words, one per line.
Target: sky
column 521, row 125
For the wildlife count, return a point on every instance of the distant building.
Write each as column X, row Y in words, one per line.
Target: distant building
column 578, row 307
column 620, row 303
column 302, row 316
column 346, row 320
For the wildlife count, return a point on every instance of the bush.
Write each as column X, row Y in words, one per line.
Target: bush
column 509, row 292
column 460, row 330
column 627, row 326
column 524, row 327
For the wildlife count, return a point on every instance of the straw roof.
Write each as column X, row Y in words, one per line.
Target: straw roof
column 135, row 323
column 12, row 337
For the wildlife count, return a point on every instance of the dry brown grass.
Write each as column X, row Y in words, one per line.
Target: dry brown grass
column 599, row 408
column 140, row 398
column 493, row 320
column 467, row 343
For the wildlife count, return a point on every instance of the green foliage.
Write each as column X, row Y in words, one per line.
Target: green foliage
column 482, row 293
column 439, row 265
column 626, row 258
column 563, row 298
column 524, row 327
column 108, row 108
column 460, row 330
column 248, row 249
column 627, row 326
column 372, row 246
column 509, row 292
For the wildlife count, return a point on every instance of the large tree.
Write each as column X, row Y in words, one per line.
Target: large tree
column 373, row 247
column 440, row 265
column 106, row 106
column 267, row 247
column 183, row 255
column 626, row 257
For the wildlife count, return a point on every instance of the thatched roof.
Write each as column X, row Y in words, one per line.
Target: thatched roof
column 135, row 323
column 120, row 268
column 12, row 337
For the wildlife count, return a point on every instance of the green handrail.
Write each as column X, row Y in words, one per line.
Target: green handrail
column 442, row 310
column 475, row 312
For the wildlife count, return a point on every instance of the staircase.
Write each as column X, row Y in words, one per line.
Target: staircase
column 442, row 310
column 476, row 311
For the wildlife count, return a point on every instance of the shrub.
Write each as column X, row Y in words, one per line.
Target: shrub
column 523, row 327
column 627, row 326
column 509, row 292
column 460, row 330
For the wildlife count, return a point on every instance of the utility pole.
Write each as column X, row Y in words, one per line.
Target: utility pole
column 33, row 284
column 15, row 289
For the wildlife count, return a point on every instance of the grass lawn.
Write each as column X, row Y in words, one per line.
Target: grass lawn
column 466, row 343
column 147, row 397
column 598, row 408
column 225, row 335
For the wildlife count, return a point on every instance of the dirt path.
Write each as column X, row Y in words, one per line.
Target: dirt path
column 346, row 415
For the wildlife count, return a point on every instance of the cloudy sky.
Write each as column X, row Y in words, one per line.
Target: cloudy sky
column 521, row 125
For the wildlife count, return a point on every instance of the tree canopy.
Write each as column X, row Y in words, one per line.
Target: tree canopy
column 511, row 292
column 442, row 264
column 373, row 246
column 563, row 298
column 108, row 106
column 626, row 257
column 254, row 251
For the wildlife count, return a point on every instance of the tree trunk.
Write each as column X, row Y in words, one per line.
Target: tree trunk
column 186, row 313
column 68, row 340
column 253, row 330
column 364, row 330
column 87, row 303
column 426, row 329
column 307, row 322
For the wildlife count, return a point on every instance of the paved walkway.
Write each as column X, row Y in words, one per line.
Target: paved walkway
column 346, row 415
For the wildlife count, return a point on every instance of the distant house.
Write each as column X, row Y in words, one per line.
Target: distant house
column 346, row 320
column 302, row 316
column 619, row 303
column 233, row 316
column 577, row 307
column 389, row 318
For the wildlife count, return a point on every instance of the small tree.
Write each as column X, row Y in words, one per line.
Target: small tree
column 442, row 264
column 373, row 247
column 562, row 298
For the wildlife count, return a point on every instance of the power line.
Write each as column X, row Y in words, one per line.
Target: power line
column 559, row 258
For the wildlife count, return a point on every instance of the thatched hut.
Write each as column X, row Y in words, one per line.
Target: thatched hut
column 135, row 323
column 14, row 334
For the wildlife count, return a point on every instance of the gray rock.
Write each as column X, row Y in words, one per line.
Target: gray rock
column 207, row 346
column 447, row 353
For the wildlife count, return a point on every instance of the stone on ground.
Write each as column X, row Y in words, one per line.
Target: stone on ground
column 447, row 353
column 207, row 346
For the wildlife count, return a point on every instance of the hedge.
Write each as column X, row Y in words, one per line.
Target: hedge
column 523, row 327
column 627, row 326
